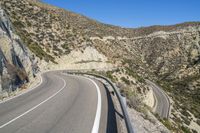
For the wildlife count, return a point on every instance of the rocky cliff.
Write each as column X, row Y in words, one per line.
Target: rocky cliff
column 17, row 65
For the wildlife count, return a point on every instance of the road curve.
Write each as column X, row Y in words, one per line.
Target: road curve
column 162, row 104
column 60, row 104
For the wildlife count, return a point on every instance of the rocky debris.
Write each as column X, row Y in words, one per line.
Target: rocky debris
column 146, row 123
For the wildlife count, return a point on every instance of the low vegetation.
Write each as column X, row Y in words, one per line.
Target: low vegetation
column 185, row 100
column 166, row 54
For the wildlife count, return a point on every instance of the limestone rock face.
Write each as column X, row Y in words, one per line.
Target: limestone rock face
column 16, row 62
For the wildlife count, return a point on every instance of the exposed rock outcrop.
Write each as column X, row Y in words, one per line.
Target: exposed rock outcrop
column 17, row 64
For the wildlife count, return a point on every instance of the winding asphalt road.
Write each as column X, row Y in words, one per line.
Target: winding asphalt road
column 162, row 104
column 60, row 104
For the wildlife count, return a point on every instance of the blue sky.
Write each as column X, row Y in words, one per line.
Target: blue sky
column 134, row 13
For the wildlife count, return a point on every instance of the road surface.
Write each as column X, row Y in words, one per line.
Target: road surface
column 60, row 104
column 162, row 104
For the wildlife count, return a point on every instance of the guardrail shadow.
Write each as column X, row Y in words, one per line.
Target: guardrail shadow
column 111, row 119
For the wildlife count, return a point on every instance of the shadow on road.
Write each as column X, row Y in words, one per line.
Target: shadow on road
column 111, row 119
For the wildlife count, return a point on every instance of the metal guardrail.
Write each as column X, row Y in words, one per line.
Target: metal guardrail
column 123, row 107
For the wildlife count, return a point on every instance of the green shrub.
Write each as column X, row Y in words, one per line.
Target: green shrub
column 133, row 74
column 167, row 123
column 185, row 129
column 126, row 81
column 18, row 24
column 39, row 52
column 109, row 75
column 66, row 47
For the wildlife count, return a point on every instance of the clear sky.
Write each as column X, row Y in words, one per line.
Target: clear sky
column 134, row 13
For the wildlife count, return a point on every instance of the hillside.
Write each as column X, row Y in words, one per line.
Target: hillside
column 168, row 55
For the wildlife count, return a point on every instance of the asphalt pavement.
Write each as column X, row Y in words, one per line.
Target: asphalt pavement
column 60, row 104
column 162, row 104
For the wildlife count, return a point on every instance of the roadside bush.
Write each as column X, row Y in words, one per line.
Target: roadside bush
column 167, row 123
column 186, row 120
column 126, row 81
column 18, row 24
column 109, row 75
column 66, row 47
column 185, row 129
column 133, row 74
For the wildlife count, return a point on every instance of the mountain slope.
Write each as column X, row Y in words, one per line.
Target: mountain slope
column 169, row 55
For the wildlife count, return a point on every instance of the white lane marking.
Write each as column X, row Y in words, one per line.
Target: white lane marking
column 28, row 90
column 96, row 124
column 7, row 123
column 95, row 128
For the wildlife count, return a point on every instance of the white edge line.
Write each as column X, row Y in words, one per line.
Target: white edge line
column 24, row 92
column 7, row 123
column 95, row 128
column 96, row 124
